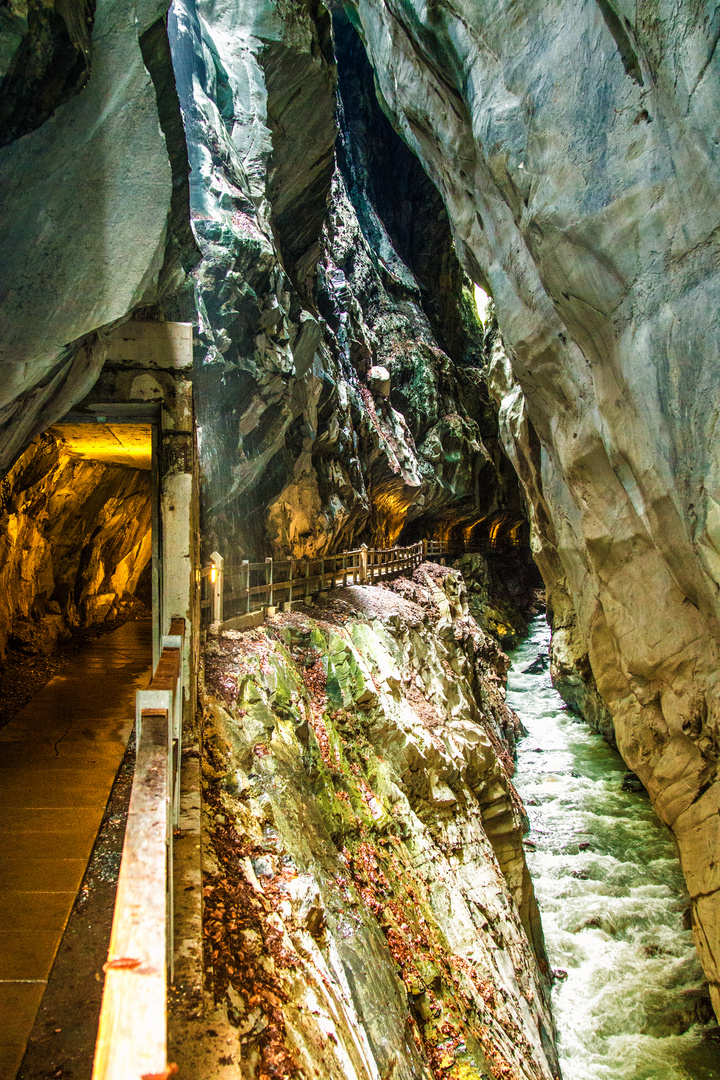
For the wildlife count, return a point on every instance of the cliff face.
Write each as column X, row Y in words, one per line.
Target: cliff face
column 365, row 844
column 576, row 149
column 340, row 370
column 340, row 391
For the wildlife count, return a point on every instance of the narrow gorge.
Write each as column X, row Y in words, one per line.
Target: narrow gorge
column 358, row 341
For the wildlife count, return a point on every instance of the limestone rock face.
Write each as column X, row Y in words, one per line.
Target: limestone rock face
column 74, row 542
column 364, row 847
column 301, row 293
column 576, row 149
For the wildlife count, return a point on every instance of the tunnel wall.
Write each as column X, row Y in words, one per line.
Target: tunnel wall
column 74, row 544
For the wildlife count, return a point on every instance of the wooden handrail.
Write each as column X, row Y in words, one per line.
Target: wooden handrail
column 245, row 589
column 132, row 1034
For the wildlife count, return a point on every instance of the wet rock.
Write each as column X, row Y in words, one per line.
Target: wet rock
column 608, row 380
column 540, row 664
column 57, row 289
column 378, row 379
column 632, row 782
column 330, row 404
column 397, row 837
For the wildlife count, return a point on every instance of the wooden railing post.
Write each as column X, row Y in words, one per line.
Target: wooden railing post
column 132, row 1033
column 216, row 586
column 262, row 587
column 269, row 580
column 246, row 564
column 363, row 564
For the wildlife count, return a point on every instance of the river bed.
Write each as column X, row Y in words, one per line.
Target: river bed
column 612, row 899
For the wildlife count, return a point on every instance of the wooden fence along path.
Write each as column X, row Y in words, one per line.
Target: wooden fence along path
column 241, row 594
column 132, row 1034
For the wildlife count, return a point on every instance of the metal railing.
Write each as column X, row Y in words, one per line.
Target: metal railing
column 233, row 590
column 132, row 1034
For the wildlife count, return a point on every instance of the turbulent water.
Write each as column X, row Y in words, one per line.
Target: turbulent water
column 612, row 899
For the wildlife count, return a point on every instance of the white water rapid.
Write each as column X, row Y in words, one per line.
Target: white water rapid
column 612, row 899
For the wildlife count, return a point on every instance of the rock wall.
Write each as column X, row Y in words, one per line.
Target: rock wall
column 368, row 910
column 74, row 544
column 576, row 149
column 329, row 410
column 92, row 222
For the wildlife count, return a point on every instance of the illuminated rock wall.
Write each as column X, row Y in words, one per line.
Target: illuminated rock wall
column 74, row 543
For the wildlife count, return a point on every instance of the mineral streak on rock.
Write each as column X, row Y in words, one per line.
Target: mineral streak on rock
column 368, row 908
column 576, row 150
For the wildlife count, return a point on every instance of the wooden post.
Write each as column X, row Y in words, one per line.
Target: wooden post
column 344, row 569
column 363, row 564
column 216, row 586
column 291, row 581
column 269, row 580
column 246, row 564
column 307, row 578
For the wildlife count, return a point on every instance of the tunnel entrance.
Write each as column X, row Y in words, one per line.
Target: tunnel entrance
column 124, row 562
column 76, row 545
column 131, row 442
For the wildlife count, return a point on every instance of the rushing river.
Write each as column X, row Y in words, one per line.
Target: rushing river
column 612, row 899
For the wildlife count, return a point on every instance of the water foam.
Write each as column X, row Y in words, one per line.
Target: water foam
column 612, row 898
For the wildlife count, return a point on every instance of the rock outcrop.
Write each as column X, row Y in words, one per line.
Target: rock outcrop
column 368, row 910
column 92, row 223
column 74, row 544
column 303, row 298
column 576, row 150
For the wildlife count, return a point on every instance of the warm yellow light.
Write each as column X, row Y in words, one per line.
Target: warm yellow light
column 107, row 443
column 213, row 574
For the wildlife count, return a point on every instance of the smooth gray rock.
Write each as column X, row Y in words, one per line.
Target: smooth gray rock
column 84, row 205
column 576, row 149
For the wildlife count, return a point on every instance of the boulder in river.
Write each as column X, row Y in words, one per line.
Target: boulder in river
column 632, row 782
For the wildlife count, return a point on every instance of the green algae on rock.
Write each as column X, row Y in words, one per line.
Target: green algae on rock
column 368, row 908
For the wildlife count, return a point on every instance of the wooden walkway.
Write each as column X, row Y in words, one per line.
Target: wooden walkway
column 58, row 759
column 244, row 592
